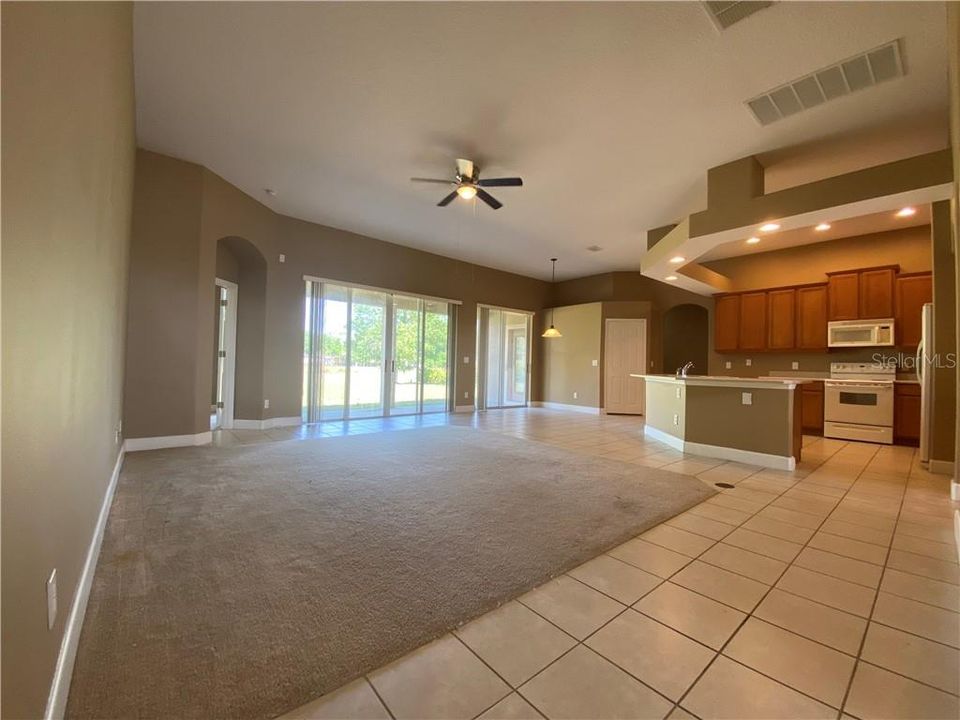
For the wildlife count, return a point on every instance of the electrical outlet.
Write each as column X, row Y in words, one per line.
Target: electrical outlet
column 746, row 398
column 795, row 365
column 466, row 395
column 749, row 362
column 52, row 599
column 595, row 363
column 466, row 359
column 576, row 395
column 266, row 404
column 728, row 364
column 283, row 258
column 678, row 393
column 676, row 419
column 118, row 432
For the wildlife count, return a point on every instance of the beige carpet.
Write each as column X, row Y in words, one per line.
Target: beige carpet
column 242, row 582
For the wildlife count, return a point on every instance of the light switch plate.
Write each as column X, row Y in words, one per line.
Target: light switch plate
column 576, row 396
column 266, row 404
column 728, row 364
column 283, row 258
column 795, row 365
column 746, row 398
column 466, row 359
column 595, row 363
column 749, row 362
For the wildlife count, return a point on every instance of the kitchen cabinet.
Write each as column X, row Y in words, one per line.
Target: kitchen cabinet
column 912, row 292
column 876, row 293
column 726, row 323
column 781, row 319
column 811, row 330
column 753, row 321
column 906, row 413
column 811, row 398
column 843, row 291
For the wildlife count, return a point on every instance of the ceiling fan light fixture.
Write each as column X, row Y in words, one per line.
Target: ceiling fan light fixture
column 467, row 192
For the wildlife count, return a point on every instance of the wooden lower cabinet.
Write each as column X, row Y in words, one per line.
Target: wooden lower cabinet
column 906, row 413
column 811, row 395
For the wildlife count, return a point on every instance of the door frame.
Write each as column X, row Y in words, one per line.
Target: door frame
column 483, row 340
column 645, row 329
column 225, row 414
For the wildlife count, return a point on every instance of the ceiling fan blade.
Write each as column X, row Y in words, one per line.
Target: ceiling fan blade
column 465, row 168
column 488, row 199
column 447, row 200
column 501, row 182
column 433, row 180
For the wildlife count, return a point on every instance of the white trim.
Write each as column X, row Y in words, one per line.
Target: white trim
column 748, row 457
column 564, row 406
column 464, row 409
column 531, row 313
column 241, row 424
column 941, row 467
column 358, row 286
column 167, row 441
column 60, row 686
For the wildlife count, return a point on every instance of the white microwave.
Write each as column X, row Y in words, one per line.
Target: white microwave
column 860, row 333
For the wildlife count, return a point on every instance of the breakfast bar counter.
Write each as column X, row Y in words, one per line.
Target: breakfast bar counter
column 750, row 420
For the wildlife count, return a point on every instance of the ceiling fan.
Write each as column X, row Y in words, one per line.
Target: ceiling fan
column 469, row 185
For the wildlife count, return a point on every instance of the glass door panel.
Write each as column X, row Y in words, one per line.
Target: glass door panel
column 407, row 344
column 504, row 351
column 493, row 358
column 436, row 360
column 366, row 354
column 514, row 370
column 333, row 352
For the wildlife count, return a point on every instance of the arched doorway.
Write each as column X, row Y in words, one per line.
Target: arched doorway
column 238, row 333
column 686, row 338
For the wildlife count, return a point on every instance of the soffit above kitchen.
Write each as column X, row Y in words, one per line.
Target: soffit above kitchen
column 609, row 111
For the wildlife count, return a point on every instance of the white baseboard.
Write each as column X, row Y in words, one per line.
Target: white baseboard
column 941, row 467
column 60, row 687
column 748, row 457
column 241, row 424
column 464, row 408
column 168, row 441
column 564, row 406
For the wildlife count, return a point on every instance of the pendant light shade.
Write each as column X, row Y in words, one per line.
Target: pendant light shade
column 552, row 332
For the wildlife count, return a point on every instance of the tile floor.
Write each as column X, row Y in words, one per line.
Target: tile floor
column 832, row 591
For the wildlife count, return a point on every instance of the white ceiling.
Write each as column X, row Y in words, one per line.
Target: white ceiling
column 611, row 112
column 808, row 235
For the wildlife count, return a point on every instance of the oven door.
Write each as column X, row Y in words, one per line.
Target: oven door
column 863, row 403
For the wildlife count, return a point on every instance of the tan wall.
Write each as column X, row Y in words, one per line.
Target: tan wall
column 568, row 361
column 953, row 17
column 198, row 219
column 717, row 416
column 909, row 248
column 67, row 174
column 662, row 404
column 943, row 430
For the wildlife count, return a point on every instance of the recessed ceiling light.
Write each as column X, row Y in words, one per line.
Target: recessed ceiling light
column 753, row 240
column 594, row 248
column 769, row 227
column 676, row 260
column 822, row 226
column 670, row 277
column 906, row 212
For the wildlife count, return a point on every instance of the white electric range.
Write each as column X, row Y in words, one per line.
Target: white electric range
column 858, row 402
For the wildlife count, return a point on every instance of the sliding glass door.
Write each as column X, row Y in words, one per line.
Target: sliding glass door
column 503, row 350
column 371, row 353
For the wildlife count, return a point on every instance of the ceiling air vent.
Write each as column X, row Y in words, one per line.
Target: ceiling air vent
column 845, row 77
column 725, row 13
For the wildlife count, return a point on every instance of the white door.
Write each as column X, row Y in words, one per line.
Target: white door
column 624, row 352
column 226, row 354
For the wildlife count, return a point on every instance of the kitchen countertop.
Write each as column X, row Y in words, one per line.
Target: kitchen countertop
column 727, row 380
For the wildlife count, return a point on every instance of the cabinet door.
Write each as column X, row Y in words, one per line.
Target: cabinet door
column 726, row 323
column 844, row 295
column 812, row 317
column 913, row 291
column 781, row 319
column 876, row 293
column 812, row 410
column 906, row 412
column 753, row 321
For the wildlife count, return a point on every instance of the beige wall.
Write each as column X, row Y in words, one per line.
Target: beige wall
column 173, row 213
column 910, row 248
column 67, row 174
column 662, row 404
column 568, row 361
column 717, row 416
column 943, row 430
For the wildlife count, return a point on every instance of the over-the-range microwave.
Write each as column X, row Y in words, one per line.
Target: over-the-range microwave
column 860, row 333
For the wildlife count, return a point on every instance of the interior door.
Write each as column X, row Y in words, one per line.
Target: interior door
column 624, row 352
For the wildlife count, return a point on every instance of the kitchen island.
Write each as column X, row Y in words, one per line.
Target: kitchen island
column 750, row 420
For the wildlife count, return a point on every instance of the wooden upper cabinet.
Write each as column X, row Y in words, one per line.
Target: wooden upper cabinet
column 812, row 317
column 912, row 292
column 781, row 319
column 843, row 291
column 726, row 323
column 753, row 321
column 876, row 293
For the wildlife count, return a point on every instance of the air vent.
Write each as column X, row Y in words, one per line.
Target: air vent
column 725, row 13
column 845, row 77
column 594, row 248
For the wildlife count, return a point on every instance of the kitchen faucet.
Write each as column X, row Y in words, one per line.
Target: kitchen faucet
column 682, row 372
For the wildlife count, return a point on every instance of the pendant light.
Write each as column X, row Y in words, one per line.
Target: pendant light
column 552, row 332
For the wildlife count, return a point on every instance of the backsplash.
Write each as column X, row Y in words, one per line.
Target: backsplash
column 767, row 363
